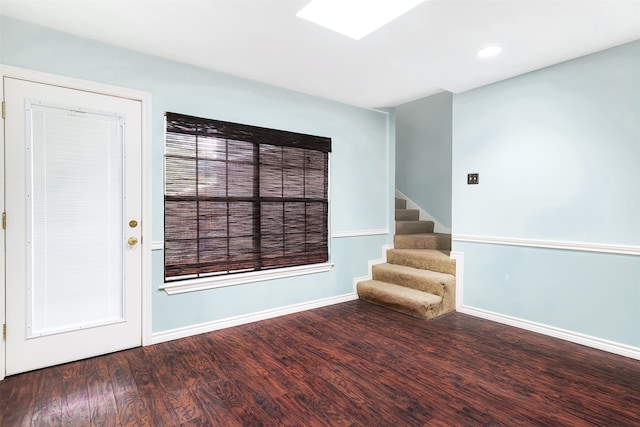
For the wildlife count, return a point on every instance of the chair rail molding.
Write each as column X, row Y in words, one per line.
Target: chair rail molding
column 549, row 244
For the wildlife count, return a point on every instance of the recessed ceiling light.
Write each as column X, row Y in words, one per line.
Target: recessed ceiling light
column 489, row 51
column 355, row 18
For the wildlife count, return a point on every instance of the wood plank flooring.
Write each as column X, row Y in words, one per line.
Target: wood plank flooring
column 351, row 364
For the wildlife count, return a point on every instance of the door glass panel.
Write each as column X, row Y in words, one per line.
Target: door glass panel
column 75, row 270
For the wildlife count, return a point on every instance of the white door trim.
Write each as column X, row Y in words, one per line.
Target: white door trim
column 145, row 100
column 3, row 317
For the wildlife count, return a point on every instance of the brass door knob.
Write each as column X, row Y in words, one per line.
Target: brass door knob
column 132, row 240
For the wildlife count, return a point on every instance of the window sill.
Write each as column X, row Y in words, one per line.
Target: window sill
column 242, row 278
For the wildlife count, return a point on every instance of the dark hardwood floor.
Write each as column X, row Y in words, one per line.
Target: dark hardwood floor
column 348, row 364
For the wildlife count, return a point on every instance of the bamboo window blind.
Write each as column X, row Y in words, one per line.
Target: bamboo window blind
column 242, row 198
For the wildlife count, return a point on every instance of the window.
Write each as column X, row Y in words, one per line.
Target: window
column 241, row 198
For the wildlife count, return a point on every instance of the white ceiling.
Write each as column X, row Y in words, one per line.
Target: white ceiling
column 430, row 49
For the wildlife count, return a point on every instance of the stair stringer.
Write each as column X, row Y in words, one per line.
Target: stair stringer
column 371, row 263
column 424, row 215
column 459, row 259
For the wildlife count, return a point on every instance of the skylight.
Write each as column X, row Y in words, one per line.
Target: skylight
column 489, row 51
column 355, row 18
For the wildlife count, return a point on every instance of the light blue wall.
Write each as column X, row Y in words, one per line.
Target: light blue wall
column 558, row 153
column 423, row 154
column 595, row 294
column 361, row 172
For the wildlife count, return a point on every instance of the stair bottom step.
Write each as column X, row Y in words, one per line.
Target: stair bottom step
column 399, row 298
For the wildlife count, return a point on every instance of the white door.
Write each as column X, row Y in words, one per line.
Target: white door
column 73, row 206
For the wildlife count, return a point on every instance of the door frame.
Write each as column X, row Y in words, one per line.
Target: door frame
column 145, row 167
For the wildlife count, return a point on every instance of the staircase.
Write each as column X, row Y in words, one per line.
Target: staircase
column 418, row 278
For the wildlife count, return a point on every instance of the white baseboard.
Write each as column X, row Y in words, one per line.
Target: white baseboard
column 586, row 340
column 371, row 263
column 159, row 337
column 424, row 215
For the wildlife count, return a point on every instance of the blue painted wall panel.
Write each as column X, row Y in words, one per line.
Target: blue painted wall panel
column 596, row 294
